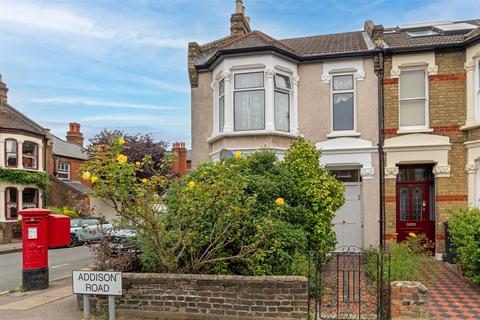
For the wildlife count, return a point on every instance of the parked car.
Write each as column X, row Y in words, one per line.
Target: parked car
column 87, row 230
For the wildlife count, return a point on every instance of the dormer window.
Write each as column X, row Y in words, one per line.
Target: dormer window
column 249, row 101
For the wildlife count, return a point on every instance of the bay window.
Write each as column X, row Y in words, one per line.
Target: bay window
column 221, row 105
column 30, row 155
column 249, row 101
column 282, row 102
column 343, row 103
column 63, row 170
column 11, row 203
column 478, row 86
column 29, row 198
column 11, row 153
column 413, row 99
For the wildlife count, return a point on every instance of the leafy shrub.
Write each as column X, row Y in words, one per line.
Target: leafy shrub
column 65, row 211
column 464, row 229
column 244, row 215
column 17, row 229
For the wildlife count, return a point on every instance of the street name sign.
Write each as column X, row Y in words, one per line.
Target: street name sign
column 106, row 283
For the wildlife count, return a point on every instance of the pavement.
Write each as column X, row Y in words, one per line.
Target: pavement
column 11, row 247
column 56, row 302
column 61, row 263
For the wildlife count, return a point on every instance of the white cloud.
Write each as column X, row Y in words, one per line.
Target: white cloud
column 137, row 118
column 101, row 103
column 58, row 19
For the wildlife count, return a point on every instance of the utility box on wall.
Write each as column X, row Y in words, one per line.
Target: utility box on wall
column 58, row 231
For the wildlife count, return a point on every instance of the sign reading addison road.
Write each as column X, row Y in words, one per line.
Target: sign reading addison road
column 97, row 282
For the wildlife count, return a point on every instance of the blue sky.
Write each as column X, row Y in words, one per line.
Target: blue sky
column 122, row 63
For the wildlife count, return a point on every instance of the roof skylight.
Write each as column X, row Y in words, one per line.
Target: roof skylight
column 421, row 33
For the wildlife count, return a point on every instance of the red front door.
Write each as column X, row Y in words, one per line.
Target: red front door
column 415, row 212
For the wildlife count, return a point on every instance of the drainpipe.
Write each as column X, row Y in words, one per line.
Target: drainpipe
column 381, row 157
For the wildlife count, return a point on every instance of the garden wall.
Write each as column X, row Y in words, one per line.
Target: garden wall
column 409, row 300
column 182, row 296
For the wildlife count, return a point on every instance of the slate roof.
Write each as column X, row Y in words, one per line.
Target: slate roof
column 11, row 118
column 356, row 42
column 398, row 37
column 68, row 149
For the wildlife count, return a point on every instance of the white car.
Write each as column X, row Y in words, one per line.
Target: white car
column 87, row 230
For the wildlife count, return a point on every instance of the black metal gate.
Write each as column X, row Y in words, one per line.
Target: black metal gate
column 349, row 284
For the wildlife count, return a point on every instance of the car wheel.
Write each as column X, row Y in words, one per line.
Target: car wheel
column 73, row 240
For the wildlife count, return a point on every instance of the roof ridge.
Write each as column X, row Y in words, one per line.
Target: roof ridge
column 25, row 118
column 272, row 39
column 321, row 35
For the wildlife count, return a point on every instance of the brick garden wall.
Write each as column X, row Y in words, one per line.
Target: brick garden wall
column 409, row 300
column 182, row 296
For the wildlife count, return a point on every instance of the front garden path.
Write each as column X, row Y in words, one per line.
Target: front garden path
column 450, row 296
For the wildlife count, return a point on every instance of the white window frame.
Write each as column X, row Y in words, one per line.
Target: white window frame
column 427, row 104
column 354, row 91
column 219, row 96
column 477, row 81
column 63, row 171
column 263, row 88
column 283, row 90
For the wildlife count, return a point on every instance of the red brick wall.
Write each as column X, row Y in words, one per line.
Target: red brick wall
column 409, row 300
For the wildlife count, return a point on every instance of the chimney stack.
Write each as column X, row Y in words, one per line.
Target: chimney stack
column 239, row 23
column 179, row 165
column 3, row 91
column 74, row 135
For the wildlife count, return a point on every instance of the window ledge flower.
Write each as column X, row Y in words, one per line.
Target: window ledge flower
column 122, row 159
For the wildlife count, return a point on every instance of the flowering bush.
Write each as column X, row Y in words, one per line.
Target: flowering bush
column 66, row 211
column 243, row 215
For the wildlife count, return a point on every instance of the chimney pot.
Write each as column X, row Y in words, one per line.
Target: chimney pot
column 74, row 135
column 3, row 91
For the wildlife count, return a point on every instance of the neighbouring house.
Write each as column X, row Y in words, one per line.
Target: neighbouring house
column 64, row 162
column 431, row 90
column 251, row 92
column 23, row 149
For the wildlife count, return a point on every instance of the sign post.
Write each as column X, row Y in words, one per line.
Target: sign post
column 106, row 283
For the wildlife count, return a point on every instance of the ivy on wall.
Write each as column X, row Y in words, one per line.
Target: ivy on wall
column 39, row 179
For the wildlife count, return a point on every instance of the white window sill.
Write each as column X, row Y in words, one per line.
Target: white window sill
column 404, row 131
column 471, row 125
column 336, row 134
column 221, row 135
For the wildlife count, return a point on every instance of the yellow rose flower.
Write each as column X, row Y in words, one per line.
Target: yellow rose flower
column 86, row 176
column 191, row 185
column 279, row 202
column 138, row 163
column 412, row 235
column 121, row 141
column 65, row 210
column 144, row 180
column 121, row 159
column 94, row 179
column 238, row 154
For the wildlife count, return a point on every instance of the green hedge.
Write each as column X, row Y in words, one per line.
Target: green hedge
column 464, row 229
column 39, row 179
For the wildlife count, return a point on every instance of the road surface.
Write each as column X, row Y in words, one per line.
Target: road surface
column 61, row 263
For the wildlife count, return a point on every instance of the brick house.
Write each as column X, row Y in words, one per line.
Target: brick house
column 251, row 92
column 23, row 148
column 63, row 164
column 431, row 121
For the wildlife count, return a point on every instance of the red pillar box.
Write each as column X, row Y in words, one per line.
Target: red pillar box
column 35, row 248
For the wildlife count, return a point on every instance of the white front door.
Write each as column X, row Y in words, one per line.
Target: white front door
column 348, row 222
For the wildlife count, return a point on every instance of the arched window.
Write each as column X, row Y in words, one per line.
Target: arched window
column 11, row 153
column 29, row 198
column 30, row 155
column 11, row 203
